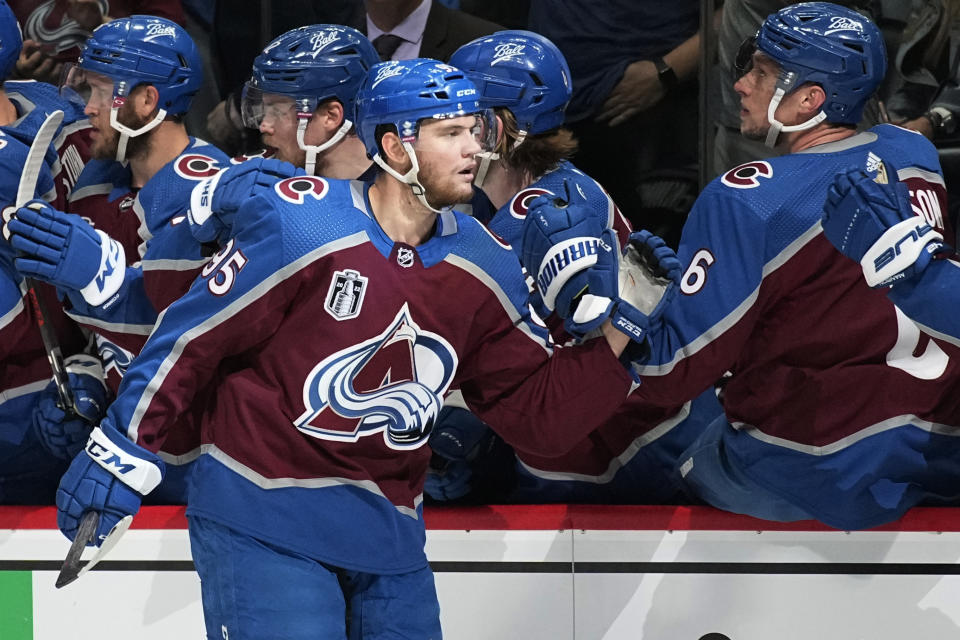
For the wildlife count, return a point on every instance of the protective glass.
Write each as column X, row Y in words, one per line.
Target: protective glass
column 744, row 60
column 85, row 87
column 257, row 106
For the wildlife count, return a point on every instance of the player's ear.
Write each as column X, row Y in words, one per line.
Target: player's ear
column 146, row 99
column 812, row 100
column 330, row 114
column 394, row 153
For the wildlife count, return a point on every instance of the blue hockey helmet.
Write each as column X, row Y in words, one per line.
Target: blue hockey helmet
column 146, row 50
column 829, row 45
column 315, row 63
column 521, row 71
column 402, row 93
column 11, row 40
column 309, row 65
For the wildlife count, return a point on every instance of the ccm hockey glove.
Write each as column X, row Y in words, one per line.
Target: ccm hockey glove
column 874, row 224
column 111, row 475
column 64, row 433
column 64, row 250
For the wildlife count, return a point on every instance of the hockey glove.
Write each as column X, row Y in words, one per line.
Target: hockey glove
column 456, row 441
column 632, row 290
column 64, row 250
column 111, row 475
column 215, row 201
column 558, row 246
column 873, row 223
column 64, row 434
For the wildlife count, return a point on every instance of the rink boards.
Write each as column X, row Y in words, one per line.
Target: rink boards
column 546, row 572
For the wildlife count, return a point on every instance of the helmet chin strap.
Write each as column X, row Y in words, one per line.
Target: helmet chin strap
column 410, row 177
column 486, row 157
column 126, row 132
column 776, row 126
column 312, row 151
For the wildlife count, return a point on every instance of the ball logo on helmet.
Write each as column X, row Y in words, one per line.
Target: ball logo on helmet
column 155, row 31
column 842, row 23
column 386, row 70
column 507, row 51
column 319, row 42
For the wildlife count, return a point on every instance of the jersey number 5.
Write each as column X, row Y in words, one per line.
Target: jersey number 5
column 224, row 266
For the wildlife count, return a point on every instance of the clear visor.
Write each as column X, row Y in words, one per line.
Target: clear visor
column 480, row 127
column 257, row 106
column 84, row 87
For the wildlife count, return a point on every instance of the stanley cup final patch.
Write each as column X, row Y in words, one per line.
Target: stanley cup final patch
column 346, row 294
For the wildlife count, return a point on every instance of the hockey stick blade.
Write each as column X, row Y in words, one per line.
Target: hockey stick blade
column 70, row 570
column 38, row 150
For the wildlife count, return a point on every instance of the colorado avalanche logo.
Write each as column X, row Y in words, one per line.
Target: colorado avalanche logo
column 193, row 166
column 297, row 189
column 390, row 384
column 521, row 201
column 114, row 357
column 746, row 175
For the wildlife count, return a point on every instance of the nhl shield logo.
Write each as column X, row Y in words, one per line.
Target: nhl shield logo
column 345, row 296
column 405, row 257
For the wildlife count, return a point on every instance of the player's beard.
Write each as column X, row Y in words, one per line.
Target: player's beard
column 442, row 188
column 105, row 146
column 754, row 132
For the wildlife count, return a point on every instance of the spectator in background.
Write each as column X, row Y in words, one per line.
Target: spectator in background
column 406, row 29
column 634, row 105
column 55, row 30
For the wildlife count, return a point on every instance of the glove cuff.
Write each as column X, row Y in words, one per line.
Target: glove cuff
column 133, row 465
column 201, row 200
column 899, row 248
column 561, row 263
column 110, row 275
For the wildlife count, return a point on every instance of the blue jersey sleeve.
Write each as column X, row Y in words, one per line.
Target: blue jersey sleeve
column 238, row 300
column 723, row 249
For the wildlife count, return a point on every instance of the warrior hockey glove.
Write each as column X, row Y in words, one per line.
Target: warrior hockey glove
column 111, row 475
column 62, row 433
column 215, row 201
column 873, row 223
column 64, row 250
column 632, row 290
column 558, row 246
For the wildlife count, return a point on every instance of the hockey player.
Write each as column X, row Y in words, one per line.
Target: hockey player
column 37, row 437
column 896, row 242
column 319, row 326
column 525, row 79
column 137, row 77
column 837, row 407
column 301, row 97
